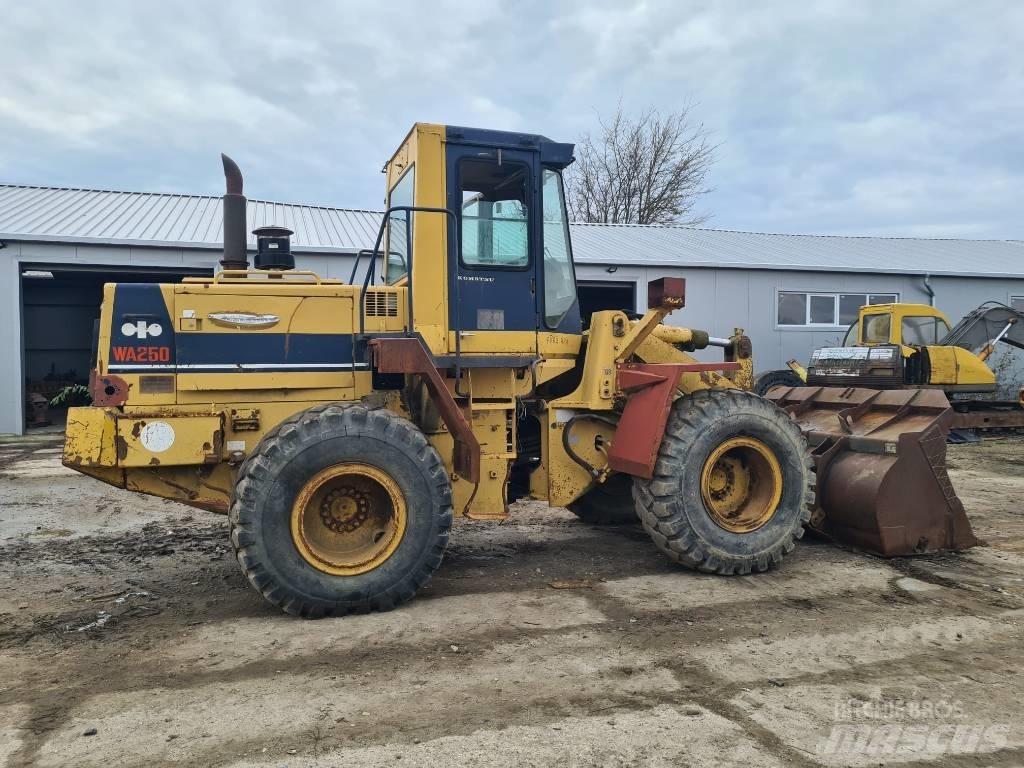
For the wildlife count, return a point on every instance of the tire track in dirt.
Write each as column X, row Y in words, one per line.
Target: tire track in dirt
column 659, row 647
column 657, row 643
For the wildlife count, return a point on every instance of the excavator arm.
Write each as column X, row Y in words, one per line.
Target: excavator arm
column 980, row 330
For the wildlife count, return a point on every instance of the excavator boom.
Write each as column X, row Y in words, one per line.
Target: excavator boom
column 984, row 327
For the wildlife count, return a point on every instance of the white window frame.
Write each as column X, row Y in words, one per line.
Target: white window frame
column 834, row 295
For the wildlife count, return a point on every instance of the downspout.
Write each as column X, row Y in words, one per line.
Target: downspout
column 929, row 290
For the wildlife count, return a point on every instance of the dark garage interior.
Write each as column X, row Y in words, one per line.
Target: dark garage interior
column 599, row 295
column 59, row 305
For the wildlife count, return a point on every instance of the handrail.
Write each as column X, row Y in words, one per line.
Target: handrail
column 355, row 265
column 238, row 274
column 371, row 272
column 373, row 264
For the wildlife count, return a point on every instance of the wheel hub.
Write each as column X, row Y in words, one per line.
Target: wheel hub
column 345, row 509
column 348, row 519
column 741, row 484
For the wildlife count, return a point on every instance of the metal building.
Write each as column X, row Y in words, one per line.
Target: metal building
column 790, row 292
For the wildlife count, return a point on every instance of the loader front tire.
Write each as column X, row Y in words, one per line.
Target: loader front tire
column 731, row 486
column 610, row 503
column 341, row 509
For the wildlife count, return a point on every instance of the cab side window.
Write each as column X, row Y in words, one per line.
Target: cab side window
column 399, row 238
column 921, row 331
column 559, row 277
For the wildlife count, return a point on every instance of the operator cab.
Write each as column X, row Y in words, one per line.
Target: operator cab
column 490, row 265
column 905, row 324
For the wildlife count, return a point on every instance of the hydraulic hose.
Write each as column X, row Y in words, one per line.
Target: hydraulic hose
column 591, row 470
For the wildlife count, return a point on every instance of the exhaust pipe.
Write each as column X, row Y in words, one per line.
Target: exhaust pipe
column 235, row 240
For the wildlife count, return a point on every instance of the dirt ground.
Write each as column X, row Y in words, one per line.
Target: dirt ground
column 128, row 637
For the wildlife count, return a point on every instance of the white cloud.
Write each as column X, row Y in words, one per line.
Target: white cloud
column 881, row 117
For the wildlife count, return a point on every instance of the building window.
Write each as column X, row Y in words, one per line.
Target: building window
column 828, row 310
column 1017, row 302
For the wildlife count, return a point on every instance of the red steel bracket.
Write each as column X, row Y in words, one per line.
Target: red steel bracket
column 649, row 389
column 408, row 355
column 107, row 390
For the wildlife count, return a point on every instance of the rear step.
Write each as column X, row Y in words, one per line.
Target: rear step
column 880, row 465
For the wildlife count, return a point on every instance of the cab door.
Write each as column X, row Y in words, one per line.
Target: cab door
column 493, row 275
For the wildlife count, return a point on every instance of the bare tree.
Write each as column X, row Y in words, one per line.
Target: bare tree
column 645, row 170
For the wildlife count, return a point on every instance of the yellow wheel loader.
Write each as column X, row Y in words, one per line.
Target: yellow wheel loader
column 341, row 425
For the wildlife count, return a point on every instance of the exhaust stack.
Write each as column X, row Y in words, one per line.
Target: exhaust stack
column 235, row 237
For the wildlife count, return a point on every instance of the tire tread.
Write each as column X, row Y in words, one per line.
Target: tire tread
column 656, row 499
column 279, row 444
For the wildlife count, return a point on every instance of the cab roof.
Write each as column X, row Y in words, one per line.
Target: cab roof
column 904, row 308
column 551, row 152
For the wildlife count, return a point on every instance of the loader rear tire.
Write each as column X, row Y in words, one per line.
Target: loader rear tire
column 341, row 509
column 610, row 503
column 731, row 487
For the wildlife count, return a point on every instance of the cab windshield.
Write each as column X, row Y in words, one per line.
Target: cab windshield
column 852, row 334
column 559, row 278
column 876, row 329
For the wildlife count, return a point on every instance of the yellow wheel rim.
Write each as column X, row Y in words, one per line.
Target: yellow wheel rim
column 741, row 484
column 348, row 519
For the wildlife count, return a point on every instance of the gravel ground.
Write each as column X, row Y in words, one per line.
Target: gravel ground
column 128, row 637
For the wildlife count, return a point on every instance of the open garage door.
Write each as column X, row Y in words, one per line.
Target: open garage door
column 60, row 304
column 597, row 295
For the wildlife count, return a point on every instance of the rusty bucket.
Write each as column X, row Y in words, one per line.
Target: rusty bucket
column 880, row 467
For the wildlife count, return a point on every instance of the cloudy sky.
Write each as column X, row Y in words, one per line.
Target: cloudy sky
column 845, row 117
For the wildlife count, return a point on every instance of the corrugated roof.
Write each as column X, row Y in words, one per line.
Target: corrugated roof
column 155, row 219
column 666, row 244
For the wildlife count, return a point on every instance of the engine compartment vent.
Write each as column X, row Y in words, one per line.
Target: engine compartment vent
column 380, row 304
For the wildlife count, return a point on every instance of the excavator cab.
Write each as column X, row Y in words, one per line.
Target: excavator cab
column 892, row 346
column 905, row 325
column 981, row 329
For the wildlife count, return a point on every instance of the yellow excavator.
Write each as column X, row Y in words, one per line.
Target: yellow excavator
column 913, row 346
column 901, row 370
column 341, row 425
